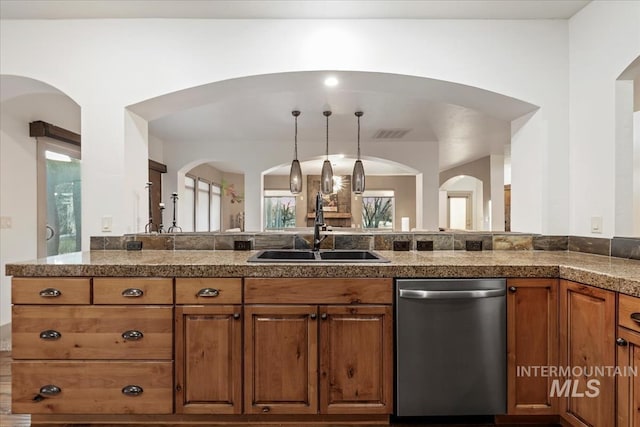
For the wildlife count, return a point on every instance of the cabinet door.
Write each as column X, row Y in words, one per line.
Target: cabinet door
column 209, row 360
column 629, row 380
column 356, row 360
column 281, row 359
column 532, row 341
column 587, row 340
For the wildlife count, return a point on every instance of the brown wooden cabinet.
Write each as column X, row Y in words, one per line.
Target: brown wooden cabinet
column 587, row 339
column 281, row 359
column 532, row 341
column 78, row 349
column 628, row 387
column 356, row 359
column 208, row 346
column 332, row 355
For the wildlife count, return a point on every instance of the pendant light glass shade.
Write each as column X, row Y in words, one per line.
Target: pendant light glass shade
column 357, row 180
column 295, row 174
column 326, row 177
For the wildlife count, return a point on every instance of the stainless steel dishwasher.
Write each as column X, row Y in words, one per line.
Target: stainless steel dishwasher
column 451, row 339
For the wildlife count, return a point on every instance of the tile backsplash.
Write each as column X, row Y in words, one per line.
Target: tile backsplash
column 621, row 247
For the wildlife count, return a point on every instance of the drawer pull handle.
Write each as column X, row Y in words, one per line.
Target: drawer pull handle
column 50, row 390
column 132, row 390
column 132, row 335
column 512, row 289
column 266, row 409
column 621, row 342
column 132, row 293
column 50, row 335
column 208, row 293
column 50, row 293
column 635, row 317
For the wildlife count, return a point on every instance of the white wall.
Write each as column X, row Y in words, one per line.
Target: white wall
column 114, row 63
column 604, row 39
column 18, row 178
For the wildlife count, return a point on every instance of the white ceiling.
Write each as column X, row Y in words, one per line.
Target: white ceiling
column 466, row 122
column 305, row 9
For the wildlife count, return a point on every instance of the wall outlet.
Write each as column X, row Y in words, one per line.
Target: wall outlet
column 401, row 245
column 424, row 245
column 596, row 224
column 5, row 222
column 242, row 245
column 473, row 245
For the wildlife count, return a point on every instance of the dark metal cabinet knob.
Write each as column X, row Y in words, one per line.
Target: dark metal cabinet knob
column 132, row 390
column 266, row 409
column 50, row 390
column 236, row 316
column 132, row 293
column 50, row 293
column 323, row 316
column 621, row 342
column 512, row 289
column 208, row 293
column 50, row 335
column 313, row 316
column 132, row 335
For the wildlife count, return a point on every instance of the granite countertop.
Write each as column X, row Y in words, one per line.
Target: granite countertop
column 605, row 272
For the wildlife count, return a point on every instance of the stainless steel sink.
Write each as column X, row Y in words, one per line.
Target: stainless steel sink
column 304, row 256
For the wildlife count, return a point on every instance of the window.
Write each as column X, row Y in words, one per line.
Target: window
column 202, row 205
column 279, row 209
column 378, row 209
column 59, row 198
column 203, row 201
column 216, row 207
column 190, row 203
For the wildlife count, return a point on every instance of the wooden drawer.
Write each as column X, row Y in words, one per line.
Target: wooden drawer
column 91, row 332
column 629, row 306
column 50, row 290
column 318, row 291
column 92, row 387
column 208, row 291
column 118, row 290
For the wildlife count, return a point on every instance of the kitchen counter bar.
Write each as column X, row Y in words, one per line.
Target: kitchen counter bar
column 604, row 272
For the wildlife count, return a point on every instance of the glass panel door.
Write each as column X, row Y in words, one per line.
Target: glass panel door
column 59, row 199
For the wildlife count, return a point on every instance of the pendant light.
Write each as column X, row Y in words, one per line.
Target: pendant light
column 295, row 175
column 326, row 177
column 357, row 180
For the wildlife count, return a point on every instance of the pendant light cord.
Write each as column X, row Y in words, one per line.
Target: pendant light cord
column 295, row 149
column 327, row 116
column 358, row 137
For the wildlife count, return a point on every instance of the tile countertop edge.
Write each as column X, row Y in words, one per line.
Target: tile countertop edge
column 594, row 270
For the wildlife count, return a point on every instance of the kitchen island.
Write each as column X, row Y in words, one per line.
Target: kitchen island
column 204, row 337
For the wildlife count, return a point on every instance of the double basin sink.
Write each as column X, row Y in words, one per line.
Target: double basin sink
column 303, row 255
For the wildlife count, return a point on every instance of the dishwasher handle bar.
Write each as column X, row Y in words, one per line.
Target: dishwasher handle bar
column 472, row 293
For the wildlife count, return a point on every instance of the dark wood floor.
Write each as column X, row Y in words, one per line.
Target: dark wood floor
column 9, row 420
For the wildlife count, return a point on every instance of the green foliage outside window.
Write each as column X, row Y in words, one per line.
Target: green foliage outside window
column 377, row 212
column 280, row 212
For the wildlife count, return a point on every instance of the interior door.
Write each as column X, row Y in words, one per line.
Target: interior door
column 59, row 198
column 460, row 211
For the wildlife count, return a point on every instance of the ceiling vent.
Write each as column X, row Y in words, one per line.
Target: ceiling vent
column 390, row 133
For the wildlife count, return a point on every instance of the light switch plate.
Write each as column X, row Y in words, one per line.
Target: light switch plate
column 596, row 224
column 107, row 222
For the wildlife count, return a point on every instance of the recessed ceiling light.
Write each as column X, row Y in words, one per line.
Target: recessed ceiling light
column 330, row 81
